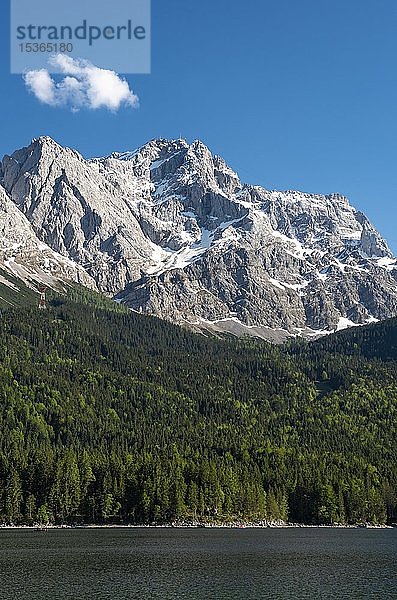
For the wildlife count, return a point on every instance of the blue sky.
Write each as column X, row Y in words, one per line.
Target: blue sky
column 293, row 94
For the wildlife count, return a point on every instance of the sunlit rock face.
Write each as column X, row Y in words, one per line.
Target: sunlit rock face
column 170, row 230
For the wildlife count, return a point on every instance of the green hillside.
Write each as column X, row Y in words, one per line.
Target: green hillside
column 109, row 416
column 16, row 293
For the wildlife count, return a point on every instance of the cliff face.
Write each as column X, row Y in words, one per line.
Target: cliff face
column 26, row 257
column 170, row 230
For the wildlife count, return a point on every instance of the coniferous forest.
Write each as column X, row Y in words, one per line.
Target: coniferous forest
column 107, row 416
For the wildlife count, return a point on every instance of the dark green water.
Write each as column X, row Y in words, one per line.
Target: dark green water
column 197, row 564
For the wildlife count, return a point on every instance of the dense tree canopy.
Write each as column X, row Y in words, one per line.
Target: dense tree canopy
column 109, row 416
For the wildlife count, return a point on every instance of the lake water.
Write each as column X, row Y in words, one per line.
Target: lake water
column 246, row 564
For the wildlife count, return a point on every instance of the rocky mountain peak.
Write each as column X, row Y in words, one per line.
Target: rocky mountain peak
column 169, row 229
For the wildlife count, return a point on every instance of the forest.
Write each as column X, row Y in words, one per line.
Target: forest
column 107, row 416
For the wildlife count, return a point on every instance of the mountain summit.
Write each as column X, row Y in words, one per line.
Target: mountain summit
column 170, row 229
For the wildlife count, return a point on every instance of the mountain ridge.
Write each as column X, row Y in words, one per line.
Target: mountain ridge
column 169, row 229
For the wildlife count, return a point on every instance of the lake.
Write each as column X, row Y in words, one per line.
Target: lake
column 246, row 564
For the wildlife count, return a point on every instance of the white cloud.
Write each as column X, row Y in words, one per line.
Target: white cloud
column 41, row 84
column 83, row 85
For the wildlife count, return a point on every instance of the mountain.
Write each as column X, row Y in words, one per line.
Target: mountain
column 170, row 230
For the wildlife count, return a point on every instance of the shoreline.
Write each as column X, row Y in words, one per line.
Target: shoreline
column 39, row 528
